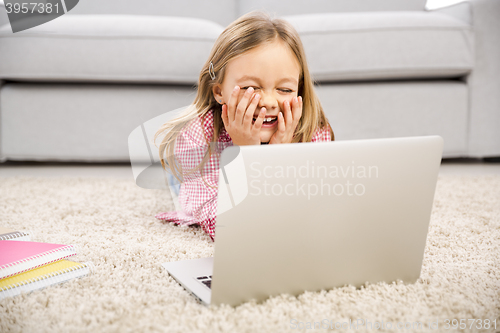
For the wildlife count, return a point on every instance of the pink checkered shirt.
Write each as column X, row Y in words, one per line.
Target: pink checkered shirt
column 197, row 200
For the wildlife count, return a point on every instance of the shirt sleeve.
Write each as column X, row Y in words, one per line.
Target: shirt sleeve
column 198, row 191
column 322, row 134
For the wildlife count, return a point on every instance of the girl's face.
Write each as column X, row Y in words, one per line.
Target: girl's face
column 273, row 71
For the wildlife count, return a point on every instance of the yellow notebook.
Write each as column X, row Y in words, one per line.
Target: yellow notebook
column 53, row 273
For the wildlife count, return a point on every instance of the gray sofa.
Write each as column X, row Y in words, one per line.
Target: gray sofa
column 73, row 89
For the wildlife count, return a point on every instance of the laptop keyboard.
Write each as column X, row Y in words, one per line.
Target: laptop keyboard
column 206, row 280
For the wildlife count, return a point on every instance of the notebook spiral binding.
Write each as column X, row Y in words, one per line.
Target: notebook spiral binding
column 18, row 235
column 91, row 267
column 47, row 280
column 36, row 261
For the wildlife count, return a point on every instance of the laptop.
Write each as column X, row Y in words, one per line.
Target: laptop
column 316, row 216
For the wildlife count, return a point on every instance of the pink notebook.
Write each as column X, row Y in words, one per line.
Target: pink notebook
column 21, row 256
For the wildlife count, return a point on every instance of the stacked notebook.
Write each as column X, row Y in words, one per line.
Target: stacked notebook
column 26, row 266
column 10, row 234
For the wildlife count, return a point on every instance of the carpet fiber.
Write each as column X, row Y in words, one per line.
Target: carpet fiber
column 112, row 223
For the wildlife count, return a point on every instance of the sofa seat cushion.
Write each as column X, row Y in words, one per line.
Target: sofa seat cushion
column 112, row 48
column 385, row 45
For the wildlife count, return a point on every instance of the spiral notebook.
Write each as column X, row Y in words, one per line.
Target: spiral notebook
column 19, row 256
column 11, row 234
column 41, row 277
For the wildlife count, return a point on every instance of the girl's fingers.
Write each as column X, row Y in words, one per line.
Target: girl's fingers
column 279, row 135
column 260, row 120
column 242, row 106
column 281, row 125
column 231, row 104
column 297, row 110
column 247, row 121
column 287, row 121
column 293, row 112
column 288, row 114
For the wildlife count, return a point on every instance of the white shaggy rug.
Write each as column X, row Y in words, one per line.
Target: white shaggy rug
column 112, row 223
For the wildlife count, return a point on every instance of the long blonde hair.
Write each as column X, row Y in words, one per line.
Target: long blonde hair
column 246, row 33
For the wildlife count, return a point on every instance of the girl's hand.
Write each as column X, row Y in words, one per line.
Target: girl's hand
column 238, row 118
column 286, row 126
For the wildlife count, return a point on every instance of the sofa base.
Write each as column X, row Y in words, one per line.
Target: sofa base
column 91, row 123
column 79, row 122
column 397, row 109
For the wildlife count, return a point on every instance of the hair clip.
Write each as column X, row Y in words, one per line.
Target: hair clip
column 211, row 71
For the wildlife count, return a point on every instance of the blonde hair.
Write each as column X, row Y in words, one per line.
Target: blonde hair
column 246, row 33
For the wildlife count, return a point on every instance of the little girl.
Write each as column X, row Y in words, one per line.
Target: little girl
column 255, row 88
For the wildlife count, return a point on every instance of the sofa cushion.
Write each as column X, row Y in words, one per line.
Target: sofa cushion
column 121, row 48
column 385, row 45
column 222, row 12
